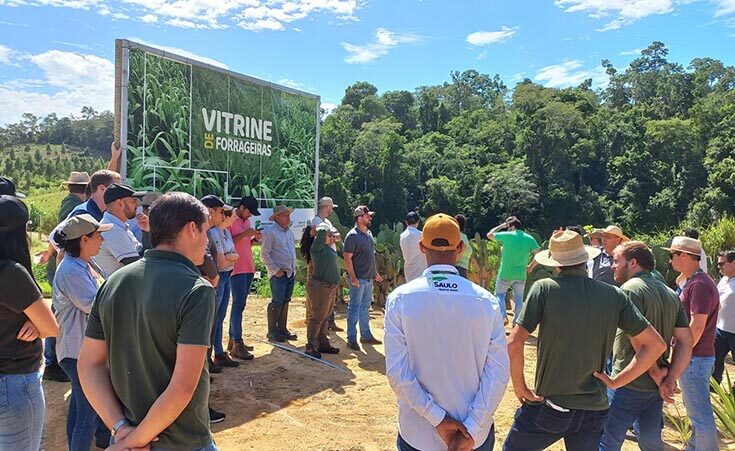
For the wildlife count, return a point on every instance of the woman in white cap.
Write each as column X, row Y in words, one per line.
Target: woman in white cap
column 25, row 318
column 74, row 290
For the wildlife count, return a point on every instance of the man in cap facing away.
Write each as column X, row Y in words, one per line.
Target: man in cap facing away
column 445, row 350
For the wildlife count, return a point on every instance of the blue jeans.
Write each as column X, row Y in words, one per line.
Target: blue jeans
column 627, row 406
column 695, row 391
column 282, row 288
column 81, row 420
column 501, row 288
column 358, row 310
column 537, row 426
column 487, row 446
column 22, row 408
column 240, row 289
column 223, row 298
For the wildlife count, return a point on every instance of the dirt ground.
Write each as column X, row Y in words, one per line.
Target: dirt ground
column 283, row 401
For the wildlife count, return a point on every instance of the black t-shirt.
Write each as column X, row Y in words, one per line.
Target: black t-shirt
column 18, row 292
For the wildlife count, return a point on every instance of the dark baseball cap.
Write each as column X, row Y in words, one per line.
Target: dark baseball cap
column 13, row 213
column 362, row 210
column 251, row 204
column 212, row 201
column 7, row 187
column 121, row 191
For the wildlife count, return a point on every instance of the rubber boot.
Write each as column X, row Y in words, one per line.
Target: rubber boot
column 273, row 330
column 282, row 321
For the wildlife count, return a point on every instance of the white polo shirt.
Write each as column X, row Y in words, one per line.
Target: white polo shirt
column 415, row 260
column 445, row 353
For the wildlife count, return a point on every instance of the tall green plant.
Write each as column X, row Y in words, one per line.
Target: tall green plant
column 723, row 404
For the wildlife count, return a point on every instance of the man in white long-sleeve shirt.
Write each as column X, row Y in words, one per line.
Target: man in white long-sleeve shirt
column 445, row 351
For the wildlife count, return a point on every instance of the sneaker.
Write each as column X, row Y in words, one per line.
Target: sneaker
column 353, row 345
column 225, row 361
column 214, row 368
column 215, row 417
column 239, row 351
column 328, row 350
column 54, row 373
column 313, row 353
column 371, row 341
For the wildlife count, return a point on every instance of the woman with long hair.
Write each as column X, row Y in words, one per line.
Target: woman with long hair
column 25, row 318
column 75, row 287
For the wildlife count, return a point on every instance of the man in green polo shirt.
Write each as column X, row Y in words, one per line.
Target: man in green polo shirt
column 578, row 318
column 641, row 400
column 142, row 360
column 517, row 249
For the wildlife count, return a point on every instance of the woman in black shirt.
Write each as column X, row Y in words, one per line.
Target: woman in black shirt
column 25, row 318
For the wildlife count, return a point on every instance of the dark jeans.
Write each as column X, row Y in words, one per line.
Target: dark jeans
column 81, row 420
column 282, row 288
column 724, row 344
column 241, row 284
column 627, row 406
column 223, row 299
column 537, row 426
column 487, row 446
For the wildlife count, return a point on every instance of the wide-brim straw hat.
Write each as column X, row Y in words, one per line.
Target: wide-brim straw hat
column 566, row 248
column 617, row 231
column 685, row 244
column 595, row 233
column 280, row 210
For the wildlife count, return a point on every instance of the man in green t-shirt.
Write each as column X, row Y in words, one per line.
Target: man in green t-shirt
column 642, row 399
column 142, row 360
column 578, row 318
column 517, row 249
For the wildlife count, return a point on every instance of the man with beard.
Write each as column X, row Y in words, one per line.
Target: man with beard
column 359, row 253
column 642, row 400
column 120, row 247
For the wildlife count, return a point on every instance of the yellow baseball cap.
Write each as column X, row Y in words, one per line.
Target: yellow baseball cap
column 441, row 227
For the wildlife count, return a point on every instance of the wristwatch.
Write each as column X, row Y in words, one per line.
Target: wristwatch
column 120, row 423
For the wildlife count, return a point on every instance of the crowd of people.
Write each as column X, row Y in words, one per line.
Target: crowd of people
column 142, row 283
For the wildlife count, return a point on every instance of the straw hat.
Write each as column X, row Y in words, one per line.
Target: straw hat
column 595, row 233
column 617, row 231
column 280, row 210
column 566, row 248
column 685, row 244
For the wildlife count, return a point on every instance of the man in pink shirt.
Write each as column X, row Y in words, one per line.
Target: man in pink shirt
column 242, row 274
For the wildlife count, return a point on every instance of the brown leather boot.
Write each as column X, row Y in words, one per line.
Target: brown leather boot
column 239, row 352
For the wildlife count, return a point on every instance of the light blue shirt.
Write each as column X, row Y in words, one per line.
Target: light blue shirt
column 278, row 250
column 445, row 353
column 119, row 244
column 73, row 293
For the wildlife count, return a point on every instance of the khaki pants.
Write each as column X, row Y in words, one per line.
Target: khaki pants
column 321, row 295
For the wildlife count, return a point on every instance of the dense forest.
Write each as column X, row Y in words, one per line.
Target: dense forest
column 653, row 148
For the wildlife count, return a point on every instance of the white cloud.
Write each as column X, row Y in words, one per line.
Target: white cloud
column 570, row 73
column 70, row 81
column 384, row 41
column 627, row 11
column 480, row 38
column 252, row 15
column 182, row 52
column 149, row 18
column 633, row 52
column 5, row 54
column 724, row 7
column 328, row 108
